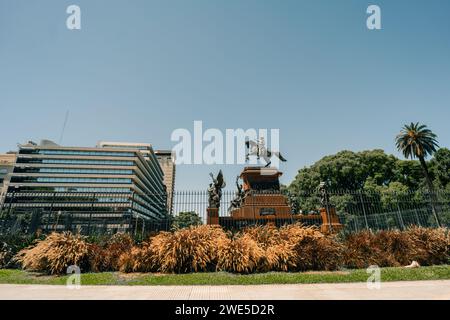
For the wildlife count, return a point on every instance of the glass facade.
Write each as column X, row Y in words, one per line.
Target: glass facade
column 76, row 161
column 71, row 179
column 78, row 180
column 86, row 153
column 86, row 171
column 92, row 190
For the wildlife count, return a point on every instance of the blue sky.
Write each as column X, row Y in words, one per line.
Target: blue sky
column 137, row 70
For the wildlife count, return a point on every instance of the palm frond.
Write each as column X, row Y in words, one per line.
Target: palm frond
column 416, row 141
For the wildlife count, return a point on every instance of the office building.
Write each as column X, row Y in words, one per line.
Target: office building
column 7, row 161
column 108, row 186
column 166, row 160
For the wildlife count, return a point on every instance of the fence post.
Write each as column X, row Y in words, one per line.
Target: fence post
column 90, row 214
column 130, row 222
column 364, row 209
column 2, row 212
column 432, row 198
column 402, row 224
column 355, row 223
column 327, row 208
column 13, row 197
column 417, row 217
column 49, row 214
column 2, row 216
column 253, row 197
column 10, row 202
column 136, row 221
column 136, row 225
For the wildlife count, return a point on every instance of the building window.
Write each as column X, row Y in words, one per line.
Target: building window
column 86, row 153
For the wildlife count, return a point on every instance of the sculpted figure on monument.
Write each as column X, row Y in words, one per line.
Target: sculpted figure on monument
column 240, row 195
column 258, row 148
column 215, row 190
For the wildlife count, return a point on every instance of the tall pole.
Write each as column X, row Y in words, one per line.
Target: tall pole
column 90, row 214
column 50, row 212
column 327, row 207
column 131, row 213
column 361, row 198
column 402, row 225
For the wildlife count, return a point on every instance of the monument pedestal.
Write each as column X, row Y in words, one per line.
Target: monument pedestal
column 213, row 216
column 262, row 196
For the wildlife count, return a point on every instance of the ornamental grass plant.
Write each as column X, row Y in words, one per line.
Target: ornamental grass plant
column 192, row 249
column 55, row 253
column 290, row 248
column 105, row 256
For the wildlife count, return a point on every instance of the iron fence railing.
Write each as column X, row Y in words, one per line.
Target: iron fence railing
column 90, row 213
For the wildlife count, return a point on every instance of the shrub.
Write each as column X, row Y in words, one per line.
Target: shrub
column 139, row 259
column 265, row 235
column 395, row 248
column 313, row 250
column 255, row 249
column 386, row 248
column 105, row 256
column 295, row 248
column 6, row 255
column 240, row 255
column 11, row 244
column 280, row 257
column 360, row 251
column 277, row 252
column 187, row 250
column 432, row 245
column 55, row 253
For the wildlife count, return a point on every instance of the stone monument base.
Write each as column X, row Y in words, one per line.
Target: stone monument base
column 213, row 216
column 263, row 199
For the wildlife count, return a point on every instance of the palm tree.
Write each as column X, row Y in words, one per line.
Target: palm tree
column 417, row 141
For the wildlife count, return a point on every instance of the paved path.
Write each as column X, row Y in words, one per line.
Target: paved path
column 347, row 291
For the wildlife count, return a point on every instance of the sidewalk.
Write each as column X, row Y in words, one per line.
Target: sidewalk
column 348, row 291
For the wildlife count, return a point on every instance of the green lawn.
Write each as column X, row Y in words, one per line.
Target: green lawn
column 221, row 278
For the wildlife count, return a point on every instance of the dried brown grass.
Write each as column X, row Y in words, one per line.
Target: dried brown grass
column 393, row 248
column 106, row 257
column 55, row 253
column 289, row 248
column 242, row 254
column 188, row 250
column 273, row 253
column 193, row 249
column 256, row 249
column 361, row 252
column 313, row 250
column 138, row 259
column 432, row 245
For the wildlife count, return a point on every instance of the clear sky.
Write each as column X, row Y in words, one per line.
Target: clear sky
column 139, row 69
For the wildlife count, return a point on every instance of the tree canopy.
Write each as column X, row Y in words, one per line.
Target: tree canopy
column 349, row 170
column 186, row 219
column 372, row 171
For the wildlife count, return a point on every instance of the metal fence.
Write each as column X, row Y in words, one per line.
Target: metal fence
column 111, row 213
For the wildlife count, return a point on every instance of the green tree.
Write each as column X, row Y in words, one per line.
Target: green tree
column 347, row 170
column 409, row 173
column 417, row 141
column 440, row 168
column 186, row 219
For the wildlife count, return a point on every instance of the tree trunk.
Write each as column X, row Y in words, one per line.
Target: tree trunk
column 431, row 191
column 426, row 174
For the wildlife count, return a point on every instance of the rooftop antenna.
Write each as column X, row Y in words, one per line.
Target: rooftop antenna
column 64, row 127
